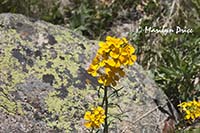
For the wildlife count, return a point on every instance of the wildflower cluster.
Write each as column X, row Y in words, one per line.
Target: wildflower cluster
column 191, row 109
column 110, row 59
column 95, row 117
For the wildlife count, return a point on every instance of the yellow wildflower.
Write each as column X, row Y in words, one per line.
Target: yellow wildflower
column 111, row 57
column 94, row 118
column 191, row 109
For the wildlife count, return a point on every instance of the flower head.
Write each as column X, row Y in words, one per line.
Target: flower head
column 112, row 56
column 95, row 117
column 191, row 109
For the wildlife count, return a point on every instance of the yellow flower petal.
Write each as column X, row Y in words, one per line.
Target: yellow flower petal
column 100, row 51
column 114, row 55
column 108, row 38
column 94, row 67
column 96, row 60
column 192, row 116
column 101, row 120
column 102, row 44
column 122, row 59
column 107, row 70
column 131, row 49
column 106, row 49
column 92, row 117
column 117, row 43
column 96, row 112
column 187, row 112
column 97, row 125
column 94, row 73
column 118, row 64
column 187, row 117
column 134, row 58
column 101, row 79
column 130, row 62
column 101, row 110
column 109, row 43
column 88, row 124
column 111, row 62
column 124, row 39
column 87, row 115
column 102, row 63
column 124, row 52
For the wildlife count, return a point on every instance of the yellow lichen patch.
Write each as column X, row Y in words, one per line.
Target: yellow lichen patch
column 6, row 104
column 57, row 68
column 11, row 75
column 64, row 36
column 71, row 108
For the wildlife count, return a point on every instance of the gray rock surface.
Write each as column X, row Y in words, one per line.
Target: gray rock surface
column 44, row 85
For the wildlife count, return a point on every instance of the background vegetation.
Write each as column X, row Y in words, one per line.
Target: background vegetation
column 172, row 59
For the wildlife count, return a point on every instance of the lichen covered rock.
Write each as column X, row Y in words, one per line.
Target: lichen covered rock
column 44, row 85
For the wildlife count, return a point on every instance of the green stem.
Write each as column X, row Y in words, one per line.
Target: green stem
column 92, row 130
column 105, row 100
